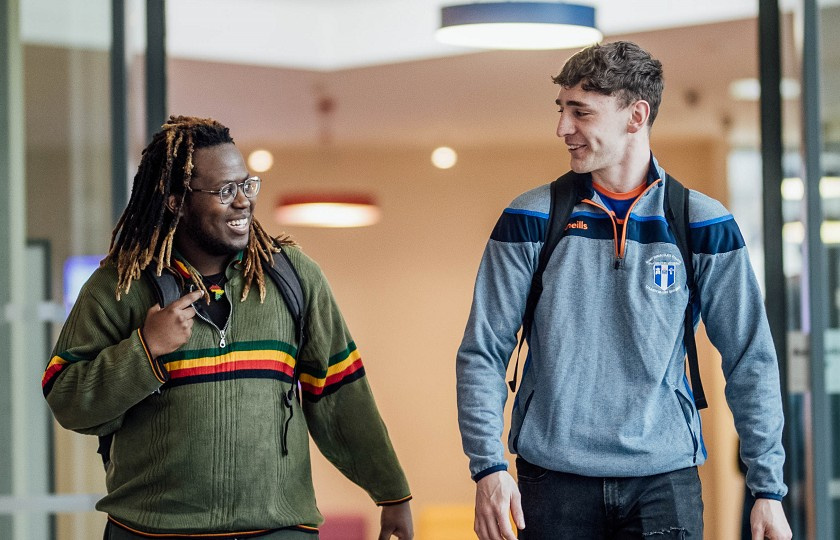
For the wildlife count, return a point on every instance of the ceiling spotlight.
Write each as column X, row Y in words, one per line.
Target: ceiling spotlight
column 750, row 89
column 260, row 160
column 444, row 157
column 794, row 190
column 518, row 25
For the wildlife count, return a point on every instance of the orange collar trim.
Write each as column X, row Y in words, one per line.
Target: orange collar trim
column 632, row 194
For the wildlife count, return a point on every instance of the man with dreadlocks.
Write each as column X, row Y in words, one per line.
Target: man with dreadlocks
column 203, row 443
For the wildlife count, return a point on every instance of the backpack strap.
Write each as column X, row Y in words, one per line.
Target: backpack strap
column 289, row 284
column 566, row 192
column 676, row 213
column 165, row 286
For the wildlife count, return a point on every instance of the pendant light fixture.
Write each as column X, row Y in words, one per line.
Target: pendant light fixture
column 519, row 25
column 327, row 208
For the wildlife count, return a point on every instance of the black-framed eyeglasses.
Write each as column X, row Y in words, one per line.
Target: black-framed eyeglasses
column 250, row 187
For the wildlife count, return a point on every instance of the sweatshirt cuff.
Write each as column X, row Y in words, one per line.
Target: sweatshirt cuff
column 495, row 468
column 395, row 501
column 160, row 372
column 773, row 496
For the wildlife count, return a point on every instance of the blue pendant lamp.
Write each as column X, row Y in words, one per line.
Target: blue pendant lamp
column 519, row 25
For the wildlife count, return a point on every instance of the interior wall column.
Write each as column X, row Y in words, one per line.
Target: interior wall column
column 12, row 241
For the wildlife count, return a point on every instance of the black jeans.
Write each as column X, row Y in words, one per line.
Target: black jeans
column 558, row 505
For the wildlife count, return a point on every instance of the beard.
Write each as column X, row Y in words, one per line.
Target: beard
column 209, row 243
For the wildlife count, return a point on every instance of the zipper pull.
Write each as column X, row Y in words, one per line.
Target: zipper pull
column 617, row 264
column 222, row 341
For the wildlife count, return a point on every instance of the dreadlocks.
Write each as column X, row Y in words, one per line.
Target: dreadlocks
column 146, row 229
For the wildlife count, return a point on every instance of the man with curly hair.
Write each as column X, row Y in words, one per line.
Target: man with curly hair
column 605, row 426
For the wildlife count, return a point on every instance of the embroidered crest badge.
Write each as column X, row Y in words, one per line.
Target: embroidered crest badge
column 663, row 273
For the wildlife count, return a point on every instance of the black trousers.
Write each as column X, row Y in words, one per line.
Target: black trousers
column 561, row 505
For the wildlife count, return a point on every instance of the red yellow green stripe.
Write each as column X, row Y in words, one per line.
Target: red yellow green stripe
column 235, row 360
column 341, row 370
column 55, row 366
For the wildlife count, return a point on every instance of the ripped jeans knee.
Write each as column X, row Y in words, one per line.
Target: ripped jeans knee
column 675, row 533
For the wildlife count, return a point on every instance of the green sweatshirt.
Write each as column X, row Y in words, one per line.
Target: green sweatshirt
column 198, row 433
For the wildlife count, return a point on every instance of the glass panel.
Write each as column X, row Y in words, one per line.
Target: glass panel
column 66, row 57
column 806, row 444
column 829, row 13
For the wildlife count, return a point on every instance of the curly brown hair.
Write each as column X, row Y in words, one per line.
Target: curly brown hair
column 621, row 68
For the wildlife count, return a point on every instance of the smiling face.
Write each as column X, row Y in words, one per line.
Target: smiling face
column 209, row 233
column 597, row 129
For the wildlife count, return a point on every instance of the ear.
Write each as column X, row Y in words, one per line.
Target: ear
column 639, row 114
column 171, row 203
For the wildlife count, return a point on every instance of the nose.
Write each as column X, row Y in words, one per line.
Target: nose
column 241, row 201
column 564, row 126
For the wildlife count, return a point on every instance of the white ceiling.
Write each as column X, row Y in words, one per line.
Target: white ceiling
column 326, row 34
column 260, row 66
column 341, row 34
column 485, row 98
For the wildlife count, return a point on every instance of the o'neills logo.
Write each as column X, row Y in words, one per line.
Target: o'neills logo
column 579, row 224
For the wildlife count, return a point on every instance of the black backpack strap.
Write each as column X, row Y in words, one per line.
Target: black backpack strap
column 165, row 286
column 676, row 213
column 566, row 192
column 289, row 284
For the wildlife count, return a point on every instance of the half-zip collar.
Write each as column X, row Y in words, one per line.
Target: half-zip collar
column 620, row 244
column 202, row 314
column 183, row 268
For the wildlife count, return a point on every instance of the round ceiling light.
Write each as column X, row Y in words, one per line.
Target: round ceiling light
column 519, row 25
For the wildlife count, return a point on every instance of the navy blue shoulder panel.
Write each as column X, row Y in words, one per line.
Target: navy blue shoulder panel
column 520, row 226
column 720, row 235
column 649, row 230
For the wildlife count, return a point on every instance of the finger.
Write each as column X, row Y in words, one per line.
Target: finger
column 487, row 528
column 500, row 521
column 480, row 529
column 505, row 530
column 186, row 300
column 154, row 309
column 516, row 510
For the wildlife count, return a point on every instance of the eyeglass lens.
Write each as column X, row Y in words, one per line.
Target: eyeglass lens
column 250, row 188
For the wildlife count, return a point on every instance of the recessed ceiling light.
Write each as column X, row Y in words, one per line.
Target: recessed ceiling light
column 444, row 157
column 260, row 160
column 750, row 89
column 794, row 190
column 794, row 232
